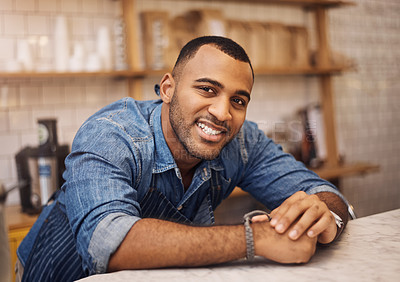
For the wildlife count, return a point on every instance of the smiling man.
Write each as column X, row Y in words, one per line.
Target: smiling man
column 144, row 177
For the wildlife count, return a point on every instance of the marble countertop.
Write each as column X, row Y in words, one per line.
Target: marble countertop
column 368, row 250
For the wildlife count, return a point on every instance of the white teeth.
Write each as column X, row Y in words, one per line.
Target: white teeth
column 207, row 130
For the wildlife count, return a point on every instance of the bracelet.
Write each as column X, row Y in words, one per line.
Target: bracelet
column 249, row 232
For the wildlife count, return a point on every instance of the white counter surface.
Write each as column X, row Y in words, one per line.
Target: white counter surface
column 368, row 250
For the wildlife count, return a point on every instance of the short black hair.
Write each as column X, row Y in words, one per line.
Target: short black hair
column 226, row 45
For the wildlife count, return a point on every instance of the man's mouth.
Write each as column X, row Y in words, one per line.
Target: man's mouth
column 207, row 130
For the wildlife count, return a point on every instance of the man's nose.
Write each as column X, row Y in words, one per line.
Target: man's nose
column 220, row 108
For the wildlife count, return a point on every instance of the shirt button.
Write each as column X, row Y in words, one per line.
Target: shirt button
column 180, row 207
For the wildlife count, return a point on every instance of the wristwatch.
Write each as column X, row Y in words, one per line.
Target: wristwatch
column 338, row 220
column 339, row 225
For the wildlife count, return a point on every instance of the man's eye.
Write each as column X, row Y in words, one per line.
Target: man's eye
column 239, row 101
column 207, row 89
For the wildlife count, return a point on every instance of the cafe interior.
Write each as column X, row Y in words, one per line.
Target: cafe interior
column 326, row 77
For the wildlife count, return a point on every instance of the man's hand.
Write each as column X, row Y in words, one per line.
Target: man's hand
column 279, row 247
column 303, row 214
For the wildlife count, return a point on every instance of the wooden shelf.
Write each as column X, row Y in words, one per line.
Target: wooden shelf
column 303, row 71
column 139, row 74
column 133, row 74
column 345, row 170
column 303, row 3
column 330, row 173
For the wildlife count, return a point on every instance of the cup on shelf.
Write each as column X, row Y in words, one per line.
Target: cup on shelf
column 24, row 55
column 76, row 62
column 93, row 63
column 61, row 44
column 104, row 47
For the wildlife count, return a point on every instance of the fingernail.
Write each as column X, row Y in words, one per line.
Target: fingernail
column 273, row 221
column 310, row 233
column 293, row 234
column 279, row 228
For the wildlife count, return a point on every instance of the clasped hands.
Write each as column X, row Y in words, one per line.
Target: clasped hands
column 299, row 223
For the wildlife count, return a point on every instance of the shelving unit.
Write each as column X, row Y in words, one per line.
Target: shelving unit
column 333, row 169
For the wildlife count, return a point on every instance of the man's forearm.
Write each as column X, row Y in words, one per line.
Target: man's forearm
column 153, row 243
column 335, row 204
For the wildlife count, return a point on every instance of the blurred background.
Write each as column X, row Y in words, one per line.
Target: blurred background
column 65, row 59
column 327, row 87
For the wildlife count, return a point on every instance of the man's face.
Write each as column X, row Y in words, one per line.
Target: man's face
column 209, row 103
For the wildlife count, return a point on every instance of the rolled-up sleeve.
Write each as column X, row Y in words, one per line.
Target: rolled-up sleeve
column 326, row 188
column 113, row 228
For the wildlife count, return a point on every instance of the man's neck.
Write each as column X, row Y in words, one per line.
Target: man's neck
column 187, row 169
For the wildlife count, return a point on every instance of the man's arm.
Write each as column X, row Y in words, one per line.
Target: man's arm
column 153, row 243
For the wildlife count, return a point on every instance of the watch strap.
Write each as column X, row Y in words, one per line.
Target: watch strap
column 250, row 253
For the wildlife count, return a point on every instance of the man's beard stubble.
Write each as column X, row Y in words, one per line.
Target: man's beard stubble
column 183, row 131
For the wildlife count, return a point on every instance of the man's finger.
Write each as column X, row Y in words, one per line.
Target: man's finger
column 282, row 210
column 311, row 215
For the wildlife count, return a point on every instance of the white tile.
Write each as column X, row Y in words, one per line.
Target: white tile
column 30, row 95
column 119, row 90
column 3, row 121
column 13, row 198
column 9, row 144
column 96, row 93
column 9, row 96
column 8, row 51
column 25, row 5
column 53, row 95
column 13, row 169
column 65, row 117
column 47, row 5
column 5, row 167
column 74, row 94
column 30, row 138
column 70, row 6
column 20, row 120
column 14, row 24
column 99, row 22
column 38, row 25
column 6, row 5
column 92, row 6
column 82, row 26
column 112, row 8
column 83, row 113
column 1, row 25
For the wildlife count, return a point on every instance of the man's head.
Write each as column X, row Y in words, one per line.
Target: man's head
column 226, row 45
column 206, row 97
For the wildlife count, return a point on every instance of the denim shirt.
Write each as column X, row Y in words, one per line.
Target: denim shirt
column 120, row 152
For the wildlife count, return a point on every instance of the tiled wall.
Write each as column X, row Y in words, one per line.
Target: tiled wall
column 367, row 101
column 70, row 100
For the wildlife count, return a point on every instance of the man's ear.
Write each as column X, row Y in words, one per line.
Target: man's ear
column 167, row 88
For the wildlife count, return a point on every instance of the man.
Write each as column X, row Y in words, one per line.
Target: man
column 144, row 177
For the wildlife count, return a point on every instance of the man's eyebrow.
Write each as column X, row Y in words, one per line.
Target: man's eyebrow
column 211, row 81
column 220, row 85
column 244, row 93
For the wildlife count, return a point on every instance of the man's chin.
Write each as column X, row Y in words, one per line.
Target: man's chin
column 206, row 155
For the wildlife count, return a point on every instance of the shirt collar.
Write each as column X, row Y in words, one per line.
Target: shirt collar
column 163, row 156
